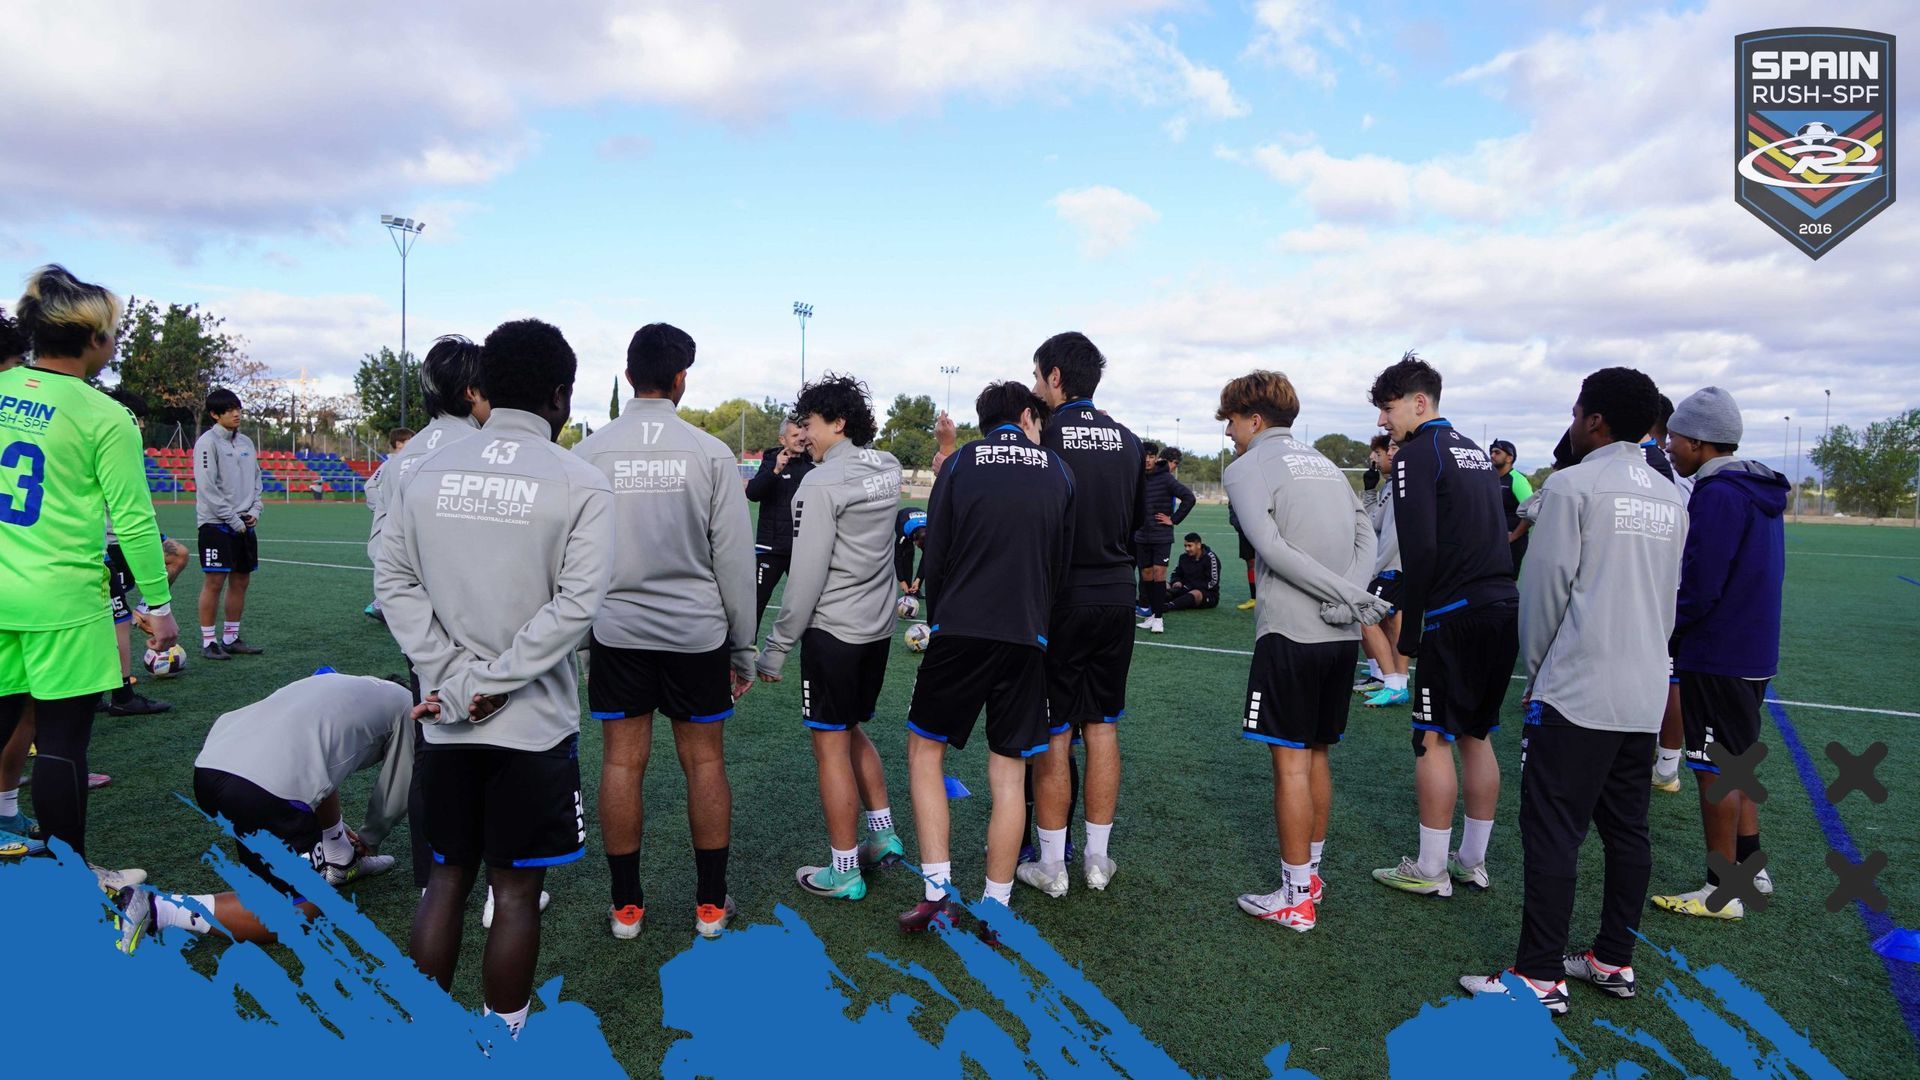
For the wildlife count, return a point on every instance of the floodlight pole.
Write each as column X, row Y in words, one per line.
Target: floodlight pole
column 803, row 312
column 949, row 372
column 405, row 233
column 1176, row 432
column 1824, row 426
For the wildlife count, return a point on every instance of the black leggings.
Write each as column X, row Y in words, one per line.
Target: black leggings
column 62, row 730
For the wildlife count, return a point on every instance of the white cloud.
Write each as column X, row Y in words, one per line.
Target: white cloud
column 1106, row 217
column 1320, row 239
column 1176, row 129
column 1292, row 34
column 1372, row 188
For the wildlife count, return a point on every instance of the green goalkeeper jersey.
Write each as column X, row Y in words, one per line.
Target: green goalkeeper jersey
column 69, row 455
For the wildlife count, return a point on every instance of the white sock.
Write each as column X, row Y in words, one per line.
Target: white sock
column 1433, row 850
column 1001, row 891
column 880, row 820
column 1669, row 761
column 938, row 875
column 9, row 802
column 515, row 1020
column 1473, row 841
column 1097, row 838
column 1296, row 883
column 334, row 845
column 1373, row 669
column 170, row 913
column 1053, row 845
column 1313, row 858
column 1395, row 682
column 844, row 861
column 233, row 633
column 207, row 634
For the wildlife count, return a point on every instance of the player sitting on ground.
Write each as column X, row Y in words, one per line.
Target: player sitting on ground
column 838, row 608
column 1387, row 669
column 1195, row 582
column 227, row 504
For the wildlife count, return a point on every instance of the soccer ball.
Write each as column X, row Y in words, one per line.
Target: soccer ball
column 166, row 664
column 1816, row 134
column 908, row 607
column 918, row 636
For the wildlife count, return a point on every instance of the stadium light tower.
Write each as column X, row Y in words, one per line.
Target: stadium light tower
column 405, row 232
column 1176, row 433
column 803, row 312
column 1824, row 425
column 949, row 372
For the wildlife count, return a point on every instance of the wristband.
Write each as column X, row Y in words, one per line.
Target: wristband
column 163, row 609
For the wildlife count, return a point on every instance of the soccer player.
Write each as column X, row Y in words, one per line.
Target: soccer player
column 1726, row 634
column 396, row 441
column 1000, row 533
column 124, row 701
column 1195, row 582
column 276, row 766
column 226, row 503
column 781, row 469
column 1246, row 556
column 1090, row 643
column 1387, row 669
column 1315, row 544
column 1604, row 566
column 910, row 536
column 1515, row 489
column 1168, row 503
column 68, row 456
column 1457, row 589
column 676, row 635
column 494, row 563
column 839, row 608
column 1673, row 736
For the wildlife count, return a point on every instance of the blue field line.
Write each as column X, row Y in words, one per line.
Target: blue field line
column 1904, row 978
column 1907, row 579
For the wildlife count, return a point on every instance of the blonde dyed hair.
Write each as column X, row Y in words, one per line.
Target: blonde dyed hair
column 62, row 315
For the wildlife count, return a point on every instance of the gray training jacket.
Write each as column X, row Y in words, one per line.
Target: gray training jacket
column 494, row 562
column 1598, row 588
column 302, row 742
column 392, row 474
column 1313, row 539
column 683, row 568
column 841, row 576
column 1386, row 538
column 226, row 479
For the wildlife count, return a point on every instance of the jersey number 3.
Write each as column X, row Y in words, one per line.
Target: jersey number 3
column 24, row 508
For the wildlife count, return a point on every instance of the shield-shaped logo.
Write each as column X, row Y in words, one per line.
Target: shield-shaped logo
column 1813, row 131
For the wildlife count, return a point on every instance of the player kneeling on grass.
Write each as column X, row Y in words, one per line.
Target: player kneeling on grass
column 1314, row 545
column 494, row 562
column 999, row 539
column 1601, row 571
column 276, row 766
column 838, row 606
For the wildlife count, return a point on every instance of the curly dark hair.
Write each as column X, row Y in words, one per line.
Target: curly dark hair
column 838, row 397
column 1411, row 375
column 1626, row 398
column 13, row 340
column 451, row 366
column 524, row 362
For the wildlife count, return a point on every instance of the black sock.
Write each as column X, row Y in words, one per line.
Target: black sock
column 1744, row 846
column 124, row 694
column 710, row 870
column 1182, row 602
column 1713, row 879
column 626, row 880
column 1253, row 584
column 1157, row 596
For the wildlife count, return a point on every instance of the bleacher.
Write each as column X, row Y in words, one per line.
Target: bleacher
column 170, row 469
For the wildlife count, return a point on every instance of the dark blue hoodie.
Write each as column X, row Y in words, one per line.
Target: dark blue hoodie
column 1728, row 619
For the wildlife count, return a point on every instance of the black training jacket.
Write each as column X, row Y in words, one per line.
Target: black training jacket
column 1109, row 503
column 1657, row 457
column 1165, row 495
column 1201, row 573
column 999, row 531
column 773, row 490
column 903, row 547
column 1453, row 535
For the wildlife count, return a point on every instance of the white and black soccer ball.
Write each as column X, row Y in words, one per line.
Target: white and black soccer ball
column 918, row 636
column 167, row 664
column 1816, row 134
column 908, row 607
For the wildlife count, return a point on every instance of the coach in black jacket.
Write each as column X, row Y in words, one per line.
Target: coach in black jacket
column 772, row 487
column 1168, row 503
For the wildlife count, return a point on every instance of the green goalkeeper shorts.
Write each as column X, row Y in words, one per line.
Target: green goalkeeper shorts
column 64, row 663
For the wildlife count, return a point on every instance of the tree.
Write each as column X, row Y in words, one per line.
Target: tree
column 1342, row 451
column 723, row 422
column 613, row 404
column 907, row 433
column 172, row 358
column 1872, row 471
column 1538, row 477
column 378, row 385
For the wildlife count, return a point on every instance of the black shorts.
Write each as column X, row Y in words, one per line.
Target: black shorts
column 963, row 675
column 223, row 551
column 1386, row 586
column 119, row 584
column 1148, row 553
column 1246, row 546
column 637, row 682
column 840, row 682
column 1722, row 709
column 510, row 808
column 1465, row 669
column 1298, row 692
column 1089, row 651
column 250, row 808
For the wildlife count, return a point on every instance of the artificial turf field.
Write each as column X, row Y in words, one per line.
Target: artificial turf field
column 1165, row 943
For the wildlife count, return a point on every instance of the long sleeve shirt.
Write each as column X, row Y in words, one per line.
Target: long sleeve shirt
column 1379, row 504
column 773, row 487
column 1727, row 621
column 1452, row 527
column 1312, row 539
column 399, row 466
column 1165, row 494
column 495, row 561
column 840, row 578
column 226, row 479
column 1201, row 572
column 907, row 526
column 1109, row 502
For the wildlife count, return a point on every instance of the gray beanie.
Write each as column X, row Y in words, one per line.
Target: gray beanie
column 1708, row 415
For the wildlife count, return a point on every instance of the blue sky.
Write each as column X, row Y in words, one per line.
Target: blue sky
column 1523, row 191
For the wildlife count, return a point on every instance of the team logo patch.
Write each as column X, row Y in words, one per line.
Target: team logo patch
column 1813, row 131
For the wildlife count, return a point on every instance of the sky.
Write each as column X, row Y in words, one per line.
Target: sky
column 1523, row 192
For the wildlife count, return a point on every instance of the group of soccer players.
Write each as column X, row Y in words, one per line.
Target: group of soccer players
column 500, row 556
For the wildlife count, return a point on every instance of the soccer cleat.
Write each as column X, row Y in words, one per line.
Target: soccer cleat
column 1248, row 604
column 882, row 849
column 1764, row 883
column 1142, row 611
column 135, row 705
column 1587, row 968
column 133, row 917
column 1668, row 782
column 1386, row 696
column 354, row 869
column 98, row 780
column 1318, row 890
column 1159, row 625
column 239, row 647
column 486, row 909
column 373, row 612
column 831, row 883
column 213, row 650
column 927, row 915
column 1473, row 877
column 1300, row 916
column 21, row 825
column 115, row 880
column 1028, row 853
column 1048, row 877
column 1369, row 685
column 1407, row 878
column 1695, row 904
column 709, row 920
column 14, row 845
column 1553, row 995
column 1100, row 870
column 626, row 922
